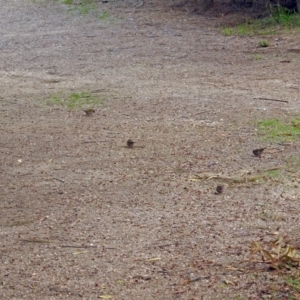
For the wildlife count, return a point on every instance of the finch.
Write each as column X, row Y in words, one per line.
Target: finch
column 219, row 189
column 130, row 143
column 89, row 111
column 258, row 152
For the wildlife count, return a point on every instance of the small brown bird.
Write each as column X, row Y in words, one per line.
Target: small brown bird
column 89, row 111
column 219, row 189
column 130, row 143
column 258, row 152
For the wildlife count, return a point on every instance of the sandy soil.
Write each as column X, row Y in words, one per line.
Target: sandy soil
column 85, row 217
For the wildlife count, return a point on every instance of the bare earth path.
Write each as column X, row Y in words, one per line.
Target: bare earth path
column 82, row 216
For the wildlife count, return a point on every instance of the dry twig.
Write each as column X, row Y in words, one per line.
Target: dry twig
column 268, row 99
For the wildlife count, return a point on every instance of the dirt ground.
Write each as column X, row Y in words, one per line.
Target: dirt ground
column 85, row 217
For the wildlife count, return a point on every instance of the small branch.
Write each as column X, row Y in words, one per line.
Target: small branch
column 297, row 50
column 74, row 246
column 165, row 245
column 35, row 241
column 198, row 278
column 179, row 292
column 89, row 142
column 268, row 99
column 59, row 179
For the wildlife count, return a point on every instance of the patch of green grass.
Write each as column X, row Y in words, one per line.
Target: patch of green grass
column 247, row 29
column 241, row 30
column 272, row 173
column 293, row 169
column 76, row 100
column 293, row 162
column 280, row 20
column 83, row 7
column 228, row 31
column 277, row 130
column 86, row 6
column 104, row 15
column 294, row 283
column 285, row 17
column 82, row 2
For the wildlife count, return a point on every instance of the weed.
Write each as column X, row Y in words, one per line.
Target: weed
column 263, row 43
column 76, row 100
column 257, row 57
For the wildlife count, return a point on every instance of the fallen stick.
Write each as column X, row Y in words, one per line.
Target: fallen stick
column 59, row 179
column 89, row 142
column 74, row 246
column 268, row 99
column 35, row 241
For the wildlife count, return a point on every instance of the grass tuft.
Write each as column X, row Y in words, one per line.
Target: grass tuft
column 83, row 7
column 263, row 43
column 104, row 16
column 280, row 20
column 276, row 130
column 76, row 100
column 257, row 57
column 294, row 282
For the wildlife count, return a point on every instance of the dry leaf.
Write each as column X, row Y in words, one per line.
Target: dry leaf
column 267, row 254
column 233, row 268
column 226, row 281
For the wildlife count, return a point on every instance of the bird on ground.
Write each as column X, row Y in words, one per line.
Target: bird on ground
column 258, row 152
column 130, row 143
column 89, row 111
column 219, row 189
